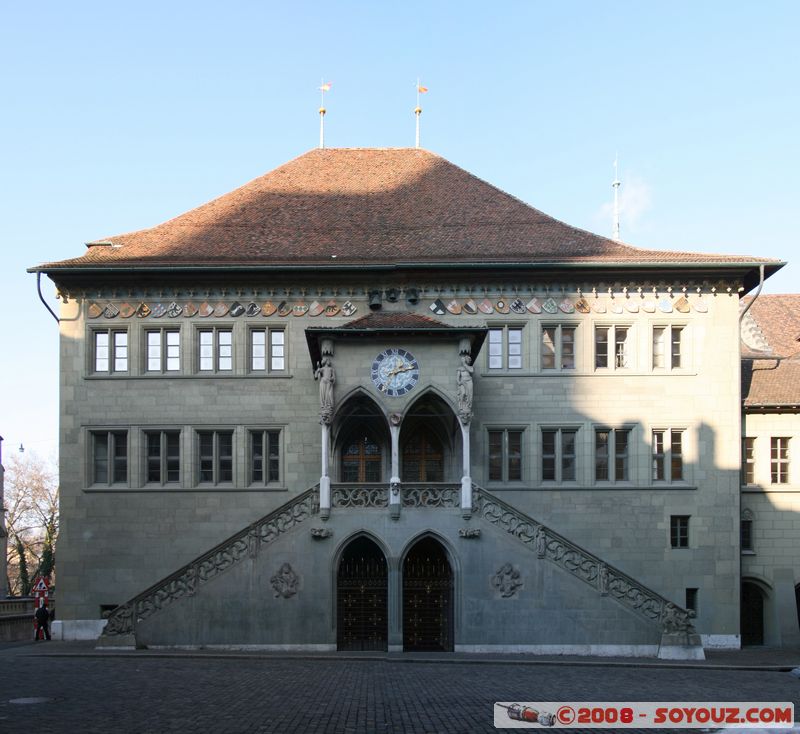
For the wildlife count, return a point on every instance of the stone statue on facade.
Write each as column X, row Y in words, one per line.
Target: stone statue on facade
column 540, row 541
column 285, row 581
column 327, row 378
column 465, row 388
column 602, row 579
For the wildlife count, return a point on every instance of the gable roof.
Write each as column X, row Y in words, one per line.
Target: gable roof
column 368, row 207
column 771, row 378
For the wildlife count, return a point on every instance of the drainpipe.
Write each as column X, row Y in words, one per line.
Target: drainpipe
column 41, row 297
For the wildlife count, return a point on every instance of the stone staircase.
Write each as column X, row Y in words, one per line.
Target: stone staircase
column 678, row 637
column 120, row 630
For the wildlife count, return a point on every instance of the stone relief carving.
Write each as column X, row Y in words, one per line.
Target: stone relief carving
column 469, row 532
column 321, row 533
column 285, row 581
column 507, row 581
column 360, row 497
column 602, row 579
column 675, row 622
column 326, row 375
column 465, row 388
column 431, row 497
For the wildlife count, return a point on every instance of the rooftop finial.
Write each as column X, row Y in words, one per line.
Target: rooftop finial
column 616, row 184
column 418, row 109
column 324, row 87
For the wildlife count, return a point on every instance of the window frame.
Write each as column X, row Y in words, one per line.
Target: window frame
column 163, row 350
column 266, row 433
column 216, row 355
column 613, row 455
column 114, row 437
column 778, row 466
column 111, row 333
column 216, row 457
column 748, row 471
column 558, row 346
column 669, row 354
column 611, row 346
column 680, row 532
column 505, row 342
column 506, row 456
column 559, row 456
column 668, row 456
column 269, row 330
column 164, row 457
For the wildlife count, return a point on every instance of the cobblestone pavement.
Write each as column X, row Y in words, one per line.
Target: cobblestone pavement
column 146, row 694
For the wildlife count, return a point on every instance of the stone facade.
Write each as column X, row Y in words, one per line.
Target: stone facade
column 605, row 418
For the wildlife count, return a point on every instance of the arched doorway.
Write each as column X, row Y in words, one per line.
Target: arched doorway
column 361, row 597
column 423, row 457
column 752, row 614
column 427, row 598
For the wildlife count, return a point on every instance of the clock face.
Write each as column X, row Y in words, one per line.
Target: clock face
column 395, row 372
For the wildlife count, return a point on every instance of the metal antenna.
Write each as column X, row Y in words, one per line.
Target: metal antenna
column 324, row 87
column 615, row 185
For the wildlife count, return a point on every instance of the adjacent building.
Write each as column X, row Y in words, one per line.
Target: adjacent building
column 369, row 401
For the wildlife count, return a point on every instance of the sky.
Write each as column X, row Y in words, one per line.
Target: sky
column 119, row 116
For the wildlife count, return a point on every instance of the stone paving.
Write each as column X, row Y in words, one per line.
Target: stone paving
column 159, row 693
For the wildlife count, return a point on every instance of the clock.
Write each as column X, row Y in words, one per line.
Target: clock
column 395, row 372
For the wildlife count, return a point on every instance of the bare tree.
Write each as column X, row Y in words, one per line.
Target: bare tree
column 31, row 501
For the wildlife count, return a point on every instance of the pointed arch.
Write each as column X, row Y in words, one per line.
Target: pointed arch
column 430, row 439
column 360, row 439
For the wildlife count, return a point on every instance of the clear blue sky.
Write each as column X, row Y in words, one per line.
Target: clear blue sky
column 118, row 116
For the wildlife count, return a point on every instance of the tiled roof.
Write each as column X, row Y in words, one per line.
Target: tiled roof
column 774, row 378
column 367, row 206
column 400, row 320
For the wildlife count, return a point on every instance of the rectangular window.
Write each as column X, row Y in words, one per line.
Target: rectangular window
column 109, row 457
column 779, row 460
column 667, row 455
column 110, row 351
column 265, row 457
column 163, row 350
column 746, row 532
column 662, row 336
column 267, row 347
column 748, row 460
column 558, row 454
column 163, row 458
column 608, row 466
column 505, row 455
column 558, row 347
column 215, row 457
column 691, row 599
column 679, row 531
column 505, row 348
column 216, row 350
column 612, row 347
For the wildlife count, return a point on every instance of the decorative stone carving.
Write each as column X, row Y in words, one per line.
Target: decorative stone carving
column 431, row 496
column 321, row 533
column 360, row 497
column 602, row 579
column 285, row 581
column 507, row 581
column 465, row 389
column 469, row 533
column 675, row 621
column 541, row 541
column 327, row 378
column 185, row 581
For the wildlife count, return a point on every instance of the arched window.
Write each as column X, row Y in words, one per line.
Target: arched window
column 361, row 459
column 423, row 458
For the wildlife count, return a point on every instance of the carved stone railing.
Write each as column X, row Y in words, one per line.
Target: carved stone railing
column 359, row 496
column 605, row 578
column 431, row 495
column 187, row 580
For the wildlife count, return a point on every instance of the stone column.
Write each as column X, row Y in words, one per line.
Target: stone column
column 394, row 600
column 394, row 481
column 466, row 479
column 324, row 479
